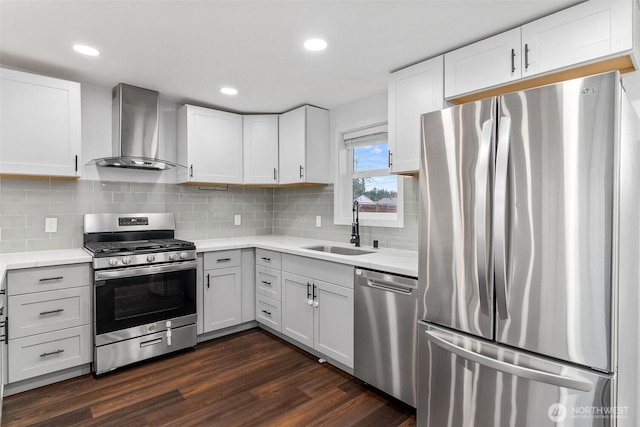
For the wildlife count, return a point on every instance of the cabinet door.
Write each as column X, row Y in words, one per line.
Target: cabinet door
column 412, row 91
column 260, row 141
column 333, row 325
column 489, row 62
column 292, row 146
column 586, row 32
column 222, row 298
column 40, row 133
column 297, row 313
column 214, row 145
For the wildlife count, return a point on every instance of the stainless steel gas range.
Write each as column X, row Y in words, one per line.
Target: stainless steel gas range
column 144, row 288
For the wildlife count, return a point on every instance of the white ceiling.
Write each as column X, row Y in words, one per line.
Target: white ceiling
column 187, row 49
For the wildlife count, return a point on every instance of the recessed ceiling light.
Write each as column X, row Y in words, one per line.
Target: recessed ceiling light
column 315, row 44
column 229, row 91
column 86, row 50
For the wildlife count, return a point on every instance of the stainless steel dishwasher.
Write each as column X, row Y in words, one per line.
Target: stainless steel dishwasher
column 386, row 313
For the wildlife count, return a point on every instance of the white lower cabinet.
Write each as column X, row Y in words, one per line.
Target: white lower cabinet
column 317, row 306
column 222, row 283
column 49, row 311
column 268, row 312
column 319, row 315
column 45, row 353
column 297, row 304
column 268, row 286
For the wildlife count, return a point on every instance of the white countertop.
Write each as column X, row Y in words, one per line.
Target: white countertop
column 41, row 259
column 391, row 260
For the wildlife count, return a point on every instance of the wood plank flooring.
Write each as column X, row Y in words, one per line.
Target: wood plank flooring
column 250, row 378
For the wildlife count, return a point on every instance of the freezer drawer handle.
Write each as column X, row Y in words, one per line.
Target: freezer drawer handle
column 508, row 368
column 388, row 287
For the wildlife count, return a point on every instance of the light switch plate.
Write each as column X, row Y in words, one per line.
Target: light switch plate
column 51, row 225
column 237, row 219
column 318, row 221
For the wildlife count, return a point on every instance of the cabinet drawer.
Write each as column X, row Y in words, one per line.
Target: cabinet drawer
column 222, row 259
column 269, row 259
column 268, row 312
column 268, row 282
column 41, row 312
column 44, row 353
column 48, row 278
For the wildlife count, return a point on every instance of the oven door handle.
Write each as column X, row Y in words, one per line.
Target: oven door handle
column 145, row 270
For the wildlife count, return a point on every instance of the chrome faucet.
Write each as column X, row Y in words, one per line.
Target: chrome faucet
column 355, row 225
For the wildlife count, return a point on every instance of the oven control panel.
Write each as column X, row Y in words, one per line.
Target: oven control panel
column 143, row 259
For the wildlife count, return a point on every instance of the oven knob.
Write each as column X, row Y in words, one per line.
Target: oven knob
column 151, row 258
column 173, row 256
column 184, row 255
column 113, row 261
column 126, row 260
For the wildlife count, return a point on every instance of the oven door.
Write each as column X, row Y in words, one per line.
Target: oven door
column 135, row 301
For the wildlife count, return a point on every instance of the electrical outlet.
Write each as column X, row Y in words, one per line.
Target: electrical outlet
column 237, row 219
column 51, row 225
column 318, row 221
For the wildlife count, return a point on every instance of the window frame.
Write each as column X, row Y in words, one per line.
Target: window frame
column 343, row 188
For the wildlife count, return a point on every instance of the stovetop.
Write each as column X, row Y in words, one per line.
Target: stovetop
column 105, row 249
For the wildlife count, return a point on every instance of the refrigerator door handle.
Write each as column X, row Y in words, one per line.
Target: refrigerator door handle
column 482, row 178
column 499, row 217
column 508, row 368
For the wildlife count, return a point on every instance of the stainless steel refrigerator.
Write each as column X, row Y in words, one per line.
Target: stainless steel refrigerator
column 529, row 259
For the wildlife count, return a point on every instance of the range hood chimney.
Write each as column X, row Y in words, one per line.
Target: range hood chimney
column 135, row 129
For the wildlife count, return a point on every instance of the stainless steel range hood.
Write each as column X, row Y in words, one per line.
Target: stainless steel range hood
column 135, row 130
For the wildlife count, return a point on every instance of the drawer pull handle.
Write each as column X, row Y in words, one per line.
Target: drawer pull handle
column 51, row 353
column 152, row 342
column 268, row 313
column 224, row 259
column 44, row 313
column 265, row 258
column 49, row 279
column 266, row 283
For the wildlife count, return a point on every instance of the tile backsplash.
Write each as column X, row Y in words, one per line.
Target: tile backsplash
column 201, row 212
column 295, row 210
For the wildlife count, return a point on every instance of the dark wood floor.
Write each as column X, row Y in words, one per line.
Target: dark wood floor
column 251, row 378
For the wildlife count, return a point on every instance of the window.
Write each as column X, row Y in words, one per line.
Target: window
column 365, row 177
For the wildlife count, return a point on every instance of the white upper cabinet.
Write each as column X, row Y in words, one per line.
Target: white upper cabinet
column 304, row 146
column 583, row 33
column 489, row 62
column 40, row 125
column 588, row 33
column 210, row 145
column 413, row 91
column 260, row 141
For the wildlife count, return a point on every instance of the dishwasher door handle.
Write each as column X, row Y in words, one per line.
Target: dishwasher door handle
column 390, row 287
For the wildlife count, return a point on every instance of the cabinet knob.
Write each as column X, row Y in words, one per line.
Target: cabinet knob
column 310, row 302
column 315, row 304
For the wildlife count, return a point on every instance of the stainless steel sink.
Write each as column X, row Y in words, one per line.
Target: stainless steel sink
column 338, row 250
